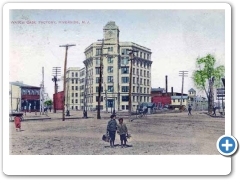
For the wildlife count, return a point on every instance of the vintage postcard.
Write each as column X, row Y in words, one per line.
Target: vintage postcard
column 136, row 83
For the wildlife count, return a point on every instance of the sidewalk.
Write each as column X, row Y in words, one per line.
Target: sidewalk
column 73, row 115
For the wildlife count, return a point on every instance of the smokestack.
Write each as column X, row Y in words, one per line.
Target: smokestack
column 166, row 85
column 172, row 90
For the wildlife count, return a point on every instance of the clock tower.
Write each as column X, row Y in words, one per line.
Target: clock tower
column 111, row 31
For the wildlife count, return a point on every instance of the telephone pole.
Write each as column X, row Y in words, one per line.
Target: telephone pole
column 56, row 72
column 106, row 99
column 100, row 78
column 130, row 83
column 183, row 74
column 64, row 79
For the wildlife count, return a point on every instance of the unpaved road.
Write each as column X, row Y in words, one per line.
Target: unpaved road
column 159, row 134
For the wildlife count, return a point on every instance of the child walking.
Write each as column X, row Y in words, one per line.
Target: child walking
column 122, row 131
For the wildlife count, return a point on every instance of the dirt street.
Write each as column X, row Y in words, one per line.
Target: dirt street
column 158, row 134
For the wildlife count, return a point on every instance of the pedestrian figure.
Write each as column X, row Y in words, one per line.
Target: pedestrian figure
column 50, row 108
column 25, row 110
column 84, row 114
column 122, row 131
column 145, row 109
column 214, row 110
column 30, row 107
column 17, row 121
column 111, row 129
column 189, row 110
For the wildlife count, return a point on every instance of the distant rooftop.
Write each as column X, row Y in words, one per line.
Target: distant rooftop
column 179, row 97
column 157, row 89
column 20, row 84
column 191, row 90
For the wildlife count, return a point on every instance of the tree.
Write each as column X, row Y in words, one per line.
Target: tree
column 208, row 76
column 48, row 103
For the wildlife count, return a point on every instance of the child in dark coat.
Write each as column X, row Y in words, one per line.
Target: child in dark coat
column 122, row 131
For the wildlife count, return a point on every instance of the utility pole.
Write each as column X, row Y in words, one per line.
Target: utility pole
column 100, row 78
column 106, row 97
column 64, row 79
column 42, row 92
column 130, row 83
column 56, row 72
column 85, row 91
column 183, row 74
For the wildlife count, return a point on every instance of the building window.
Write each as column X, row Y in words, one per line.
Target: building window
column 144, row 90
column 140, row 54
column 123, row 107
column 72, row 81
column 144, row 82
column 144, row 56
column 72, row 74
column 76, row 74
column 178, row 100
column 97, row 79
column 137, row 89
column 137, row 71
column 183, row 100
column 72, row 87
column 125, row 79
column 76, row 81
column 72, row 101
column 124, row 88
column 110, row 79
column 133, row 88
column 140, row 80
column 140, row 72
column 148, row 90
column 110, row 69
column 140, row 89
column 97, row 98
column 124, row 51
column 97, row 70
column 110, row 88
column 126, row 107
column 125, row 98
column 125, row 70
column 76, row 88
column 72, row 94
column 76, row 101
column 144, row 99
column 133, row 80
column 76, row 94
column 98, row 88
column 144, row 73
column 147, row 73
column 98, row 52
column 101, row 107
column 76, row 107
column 148, row 82
column 110, row 60
column 137, row 80
column 125, row 60
column 110, row 49
column 72, row 107
column 134, row 71
column 97, row 61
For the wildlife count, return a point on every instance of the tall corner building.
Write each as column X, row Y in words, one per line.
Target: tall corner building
column 116, row 72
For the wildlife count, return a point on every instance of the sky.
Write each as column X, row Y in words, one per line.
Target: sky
column 176, row 38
